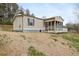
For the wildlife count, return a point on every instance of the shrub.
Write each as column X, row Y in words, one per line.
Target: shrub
column 33, row 52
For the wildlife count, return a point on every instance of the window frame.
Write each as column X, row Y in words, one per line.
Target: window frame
column 31, row 22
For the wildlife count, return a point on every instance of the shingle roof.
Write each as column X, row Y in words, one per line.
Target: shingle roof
column 41, row 18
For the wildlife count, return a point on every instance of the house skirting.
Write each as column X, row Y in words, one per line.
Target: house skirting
column 31, row 30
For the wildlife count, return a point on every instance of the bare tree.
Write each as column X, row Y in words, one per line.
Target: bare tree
column 27, row 12
column 32, row 14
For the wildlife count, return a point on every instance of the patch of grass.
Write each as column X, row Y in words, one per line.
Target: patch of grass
column 55, row 39
column 54, row 35
column 63, row 43
column 3, row 54
column 3, row 40
column 23, row 36
column 74, row 38
column 33, row 52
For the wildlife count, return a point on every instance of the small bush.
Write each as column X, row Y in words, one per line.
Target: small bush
column 33, row 52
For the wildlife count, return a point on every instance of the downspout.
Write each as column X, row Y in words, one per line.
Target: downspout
column 22, row 23
column 54, row 26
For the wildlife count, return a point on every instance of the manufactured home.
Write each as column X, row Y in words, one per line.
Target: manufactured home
column 26, row 23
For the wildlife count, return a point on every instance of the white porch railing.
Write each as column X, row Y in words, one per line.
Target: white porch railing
column 61, row 30
column 57, row 30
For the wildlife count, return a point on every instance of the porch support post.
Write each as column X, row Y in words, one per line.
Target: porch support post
column 54, row 25
column 60, row 26
column 47, row 26
column 51, row 25
column 57, row 25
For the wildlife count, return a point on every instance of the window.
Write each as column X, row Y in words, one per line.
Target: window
column 30, row 22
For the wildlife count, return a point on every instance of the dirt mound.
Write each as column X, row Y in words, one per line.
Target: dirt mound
column 17, row 43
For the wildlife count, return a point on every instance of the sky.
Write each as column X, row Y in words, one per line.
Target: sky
column 65, row 10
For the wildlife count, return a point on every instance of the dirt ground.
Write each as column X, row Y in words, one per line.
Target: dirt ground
column 18, row 44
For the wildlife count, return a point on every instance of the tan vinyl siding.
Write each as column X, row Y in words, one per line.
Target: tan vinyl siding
column 18, row 21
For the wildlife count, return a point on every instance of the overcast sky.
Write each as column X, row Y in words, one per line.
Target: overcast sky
column 65, row 10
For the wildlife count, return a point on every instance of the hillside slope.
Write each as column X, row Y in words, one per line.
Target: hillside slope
column 17, row 43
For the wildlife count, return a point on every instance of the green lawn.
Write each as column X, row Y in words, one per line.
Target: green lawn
column 74, row 38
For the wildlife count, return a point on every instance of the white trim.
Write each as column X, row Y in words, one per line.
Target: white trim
column 34, row 28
